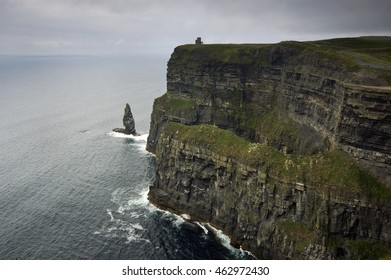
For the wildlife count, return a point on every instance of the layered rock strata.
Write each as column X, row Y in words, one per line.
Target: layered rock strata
column 272, row 213
column 293, row 98
column 315, row 124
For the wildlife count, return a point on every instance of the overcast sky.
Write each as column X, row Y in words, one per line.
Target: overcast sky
column 157, row 26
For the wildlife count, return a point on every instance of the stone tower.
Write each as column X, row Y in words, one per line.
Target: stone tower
column 198, row 41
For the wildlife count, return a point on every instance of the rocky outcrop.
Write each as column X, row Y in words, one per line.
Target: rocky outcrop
column 128, row 122
column 294, row 183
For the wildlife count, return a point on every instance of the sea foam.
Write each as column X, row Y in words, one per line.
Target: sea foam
column 140, row 140
column 142, row 137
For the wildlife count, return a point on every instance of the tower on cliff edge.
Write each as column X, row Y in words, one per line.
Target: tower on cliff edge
column 198, row 41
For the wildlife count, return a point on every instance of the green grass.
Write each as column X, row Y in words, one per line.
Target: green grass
column 337, row 169
column 181, row 104
column 160, row 102
column 172, row 103
column 326, row 52
column 381, row 57
column 275, row 125
column 364, row 249
column 369, row 42
column 270, row 124
column 359, row 249
column 297, row 232
column 333, row 170
column 371, row 53
column 251, row 54
column 225, row 53
column 368, row 250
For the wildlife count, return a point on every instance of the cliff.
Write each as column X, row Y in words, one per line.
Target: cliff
column 292, row 137
column 277, row 206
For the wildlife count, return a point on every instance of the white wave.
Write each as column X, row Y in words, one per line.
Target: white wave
column 131, row 203
column 247, row 252
column 132, row 235
column 177, row 220
column 131, row 238
column 139, row 138
column 122, row 223
column 108, row 211
column 117, row 227
column 118, row 195
column 121, row 197
column 110, row 229
column 143, row 148
column 203, row 227
column 142, row 200
column 185, row 216
column 138, row 226
column 142, row 137
column 224, row 239
column 119, row 135
column 135, row 215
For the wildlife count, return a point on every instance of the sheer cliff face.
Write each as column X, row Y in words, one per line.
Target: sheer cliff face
column 265, row 212
column 290, row 97
column 299, row 102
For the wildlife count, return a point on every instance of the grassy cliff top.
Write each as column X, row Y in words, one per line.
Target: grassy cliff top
column 226, row 53
column 334, row 169
column 373, row 53
column 373, row 48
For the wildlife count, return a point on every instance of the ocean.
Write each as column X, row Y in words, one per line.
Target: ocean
column 69, row 187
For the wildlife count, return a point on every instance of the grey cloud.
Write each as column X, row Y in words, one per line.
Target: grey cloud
column 312, row 16
column 130, row 26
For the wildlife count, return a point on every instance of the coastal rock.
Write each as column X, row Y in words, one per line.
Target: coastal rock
column 287, row 96
column 305, row 171
column 266, row 210
column 128, row 122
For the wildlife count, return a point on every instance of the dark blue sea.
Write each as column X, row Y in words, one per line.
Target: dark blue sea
column 69, row 187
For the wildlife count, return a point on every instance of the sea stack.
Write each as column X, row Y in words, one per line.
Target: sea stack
column 128, row 122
